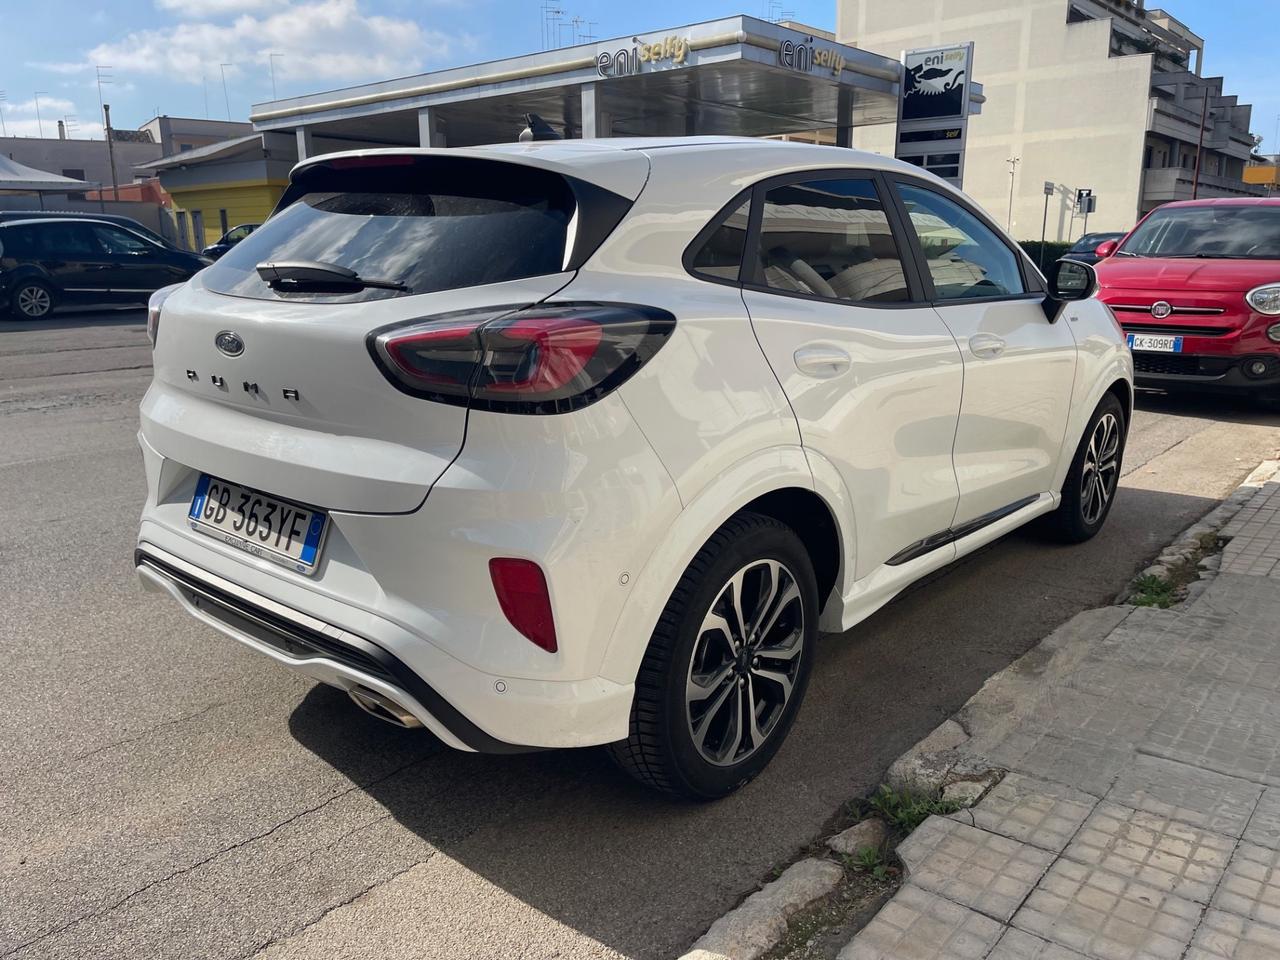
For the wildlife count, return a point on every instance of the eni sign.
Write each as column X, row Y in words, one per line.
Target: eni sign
column 805, row 56
column 670, row 49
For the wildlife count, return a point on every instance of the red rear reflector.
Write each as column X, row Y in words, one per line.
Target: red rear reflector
column 522, row 593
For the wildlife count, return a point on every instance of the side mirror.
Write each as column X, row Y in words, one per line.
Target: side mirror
column 1106, row 248
column 1071, row 280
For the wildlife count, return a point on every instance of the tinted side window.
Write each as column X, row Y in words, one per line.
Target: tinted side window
column 66, row 240
column 116, row 241
column 966, row 258
column 721, row 253
column 830, row 238
column 17, row 242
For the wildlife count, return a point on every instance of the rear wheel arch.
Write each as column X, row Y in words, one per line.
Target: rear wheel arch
column 814, row 523
column 780, row 478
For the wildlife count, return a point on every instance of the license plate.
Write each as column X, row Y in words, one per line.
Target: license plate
column 265, row 526
column 1155, row 343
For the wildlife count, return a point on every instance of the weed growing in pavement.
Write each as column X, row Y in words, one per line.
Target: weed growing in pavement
column 903, row 812
column 869, row 860
column 1152, row 591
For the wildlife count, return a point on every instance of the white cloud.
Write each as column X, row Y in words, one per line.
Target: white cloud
column 326, row 40
column 211, row 9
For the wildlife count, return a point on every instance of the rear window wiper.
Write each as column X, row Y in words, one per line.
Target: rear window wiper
column 311, row 274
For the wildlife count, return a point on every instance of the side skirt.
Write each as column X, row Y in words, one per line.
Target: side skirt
column 944, row 537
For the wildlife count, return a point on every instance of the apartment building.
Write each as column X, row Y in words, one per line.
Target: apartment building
column 1105, row 95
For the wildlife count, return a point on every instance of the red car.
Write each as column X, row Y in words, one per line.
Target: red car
column 1196, row 286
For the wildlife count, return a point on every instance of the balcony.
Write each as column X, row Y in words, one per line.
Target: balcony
column 1169, row 119
column 1174, row 183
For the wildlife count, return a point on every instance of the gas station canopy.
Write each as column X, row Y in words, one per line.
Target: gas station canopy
column 738, row 75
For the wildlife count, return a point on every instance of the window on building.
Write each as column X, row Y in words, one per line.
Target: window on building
column 966, row 258
column 197, row 228
column 830, row 238
column 75, row 173
column 222, row 222
column 1146, row 158
column 184, row 147
column 184, row 238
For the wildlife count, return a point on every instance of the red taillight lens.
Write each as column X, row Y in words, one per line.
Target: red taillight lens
column 154, row 305
column 547, row 359
column 522, row 593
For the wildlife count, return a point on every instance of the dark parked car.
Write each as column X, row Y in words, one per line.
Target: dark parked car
column 127, row 222
column 51, row 261
column 1086, row 248
column 229, row 240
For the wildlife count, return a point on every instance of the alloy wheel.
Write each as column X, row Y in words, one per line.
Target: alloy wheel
column 1101, row 469
column 34, row 302
column 745, row 662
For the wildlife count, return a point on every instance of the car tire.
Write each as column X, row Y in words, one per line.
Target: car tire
column 1090, row 487
column 31, row 300
column 690, row 732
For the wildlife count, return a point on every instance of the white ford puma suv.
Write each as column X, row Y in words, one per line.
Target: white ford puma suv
column 557, row 444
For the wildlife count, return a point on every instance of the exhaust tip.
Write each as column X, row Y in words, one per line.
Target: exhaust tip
column 383, row 707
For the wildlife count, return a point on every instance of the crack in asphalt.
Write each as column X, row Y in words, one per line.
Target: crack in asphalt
column 304, row 927
column 209, row 859
column 160, row 726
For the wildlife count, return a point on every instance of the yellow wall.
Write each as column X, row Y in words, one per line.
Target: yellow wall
column 1262, row 174
column 245, row 202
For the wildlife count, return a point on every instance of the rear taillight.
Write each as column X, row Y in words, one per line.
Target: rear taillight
column 542, row 359
column 522, row 593
column 153, row 310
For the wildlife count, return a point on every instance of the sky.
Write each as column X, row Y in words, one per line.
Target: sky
column 171, row 56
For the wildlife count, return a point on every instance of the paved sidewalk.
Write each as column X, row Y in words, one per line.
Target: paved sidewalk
column 1140, row 814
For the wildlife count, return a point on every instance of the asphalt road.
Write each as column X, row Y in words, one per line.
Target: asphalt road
column 164, row 793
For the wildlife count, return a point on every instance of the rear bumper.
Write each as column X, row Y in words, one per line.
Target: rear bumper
column 1174, row 371
column 466, row 708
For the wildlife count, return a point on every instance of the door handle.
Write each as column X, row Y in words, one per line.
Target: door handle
column 986, row 346
column 822, row 360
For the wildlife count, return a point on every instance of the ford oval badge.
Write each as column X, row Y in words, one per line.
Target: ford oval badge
column 229, row 343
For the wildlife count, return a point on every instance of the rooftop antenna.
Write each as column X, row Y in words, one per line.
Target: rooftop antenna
column 223, row 68
column 71, row 124
column 39, row 122
column 4, row 97
column 103, row 72
column 271, row 59
column 551, row 18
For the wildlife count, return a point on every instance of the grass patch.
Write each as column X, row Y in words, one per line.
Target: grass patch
column 1152, row 591
column 903, row 812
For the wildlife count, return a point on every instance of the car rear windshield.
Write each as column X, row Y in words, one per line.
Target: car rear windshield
column 422, row 223
column 1235, row 232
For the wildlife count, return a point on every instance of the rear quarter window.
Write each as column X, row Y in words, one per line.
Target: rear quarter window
column 429, row 223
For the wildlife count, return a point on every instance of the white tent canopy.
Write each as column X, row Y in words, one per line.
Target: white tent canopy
column 15, row 176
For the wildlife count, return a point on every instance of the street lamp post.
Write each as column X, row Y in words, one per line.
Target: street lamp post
column 1049, row 187
column 1195, row 177
column 1013, row 168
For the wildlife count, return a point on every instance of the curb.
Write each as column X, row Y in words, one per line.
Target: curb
column 948, row 760
column 759, row 924
column 1188, row 545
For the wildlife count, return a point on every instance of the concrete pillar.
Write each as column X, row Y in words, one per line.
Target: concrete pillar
column 305, row 149
column 430, row 128
column 594, row 121
column 844, row 117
